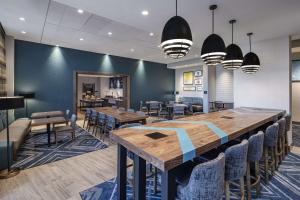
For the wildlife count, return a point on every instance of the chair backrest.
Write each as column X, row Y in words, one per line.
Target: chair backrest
column 287, row 122
column 130, row 110
column 207, row 180
column 271, row 135
column 130, row 125
column 73, row 121
column 101, row 117
column 67, row 113
column 236, row 161
column 88, row 112
column 281, row 129
column 154, row 105
column 141, row 113
column 256, row 146
column 94, row 113
column 110, row 122
column 178, row 109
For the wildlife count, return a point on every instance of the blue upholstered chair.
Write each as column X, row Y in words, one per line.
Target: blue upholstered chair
column 270, row 144
column 101, row 121
column 255, row 152
column 235, row 166
column 110, row 125
column 87, row 114
column 68, row 128
column 280, row 142
column 154, row 107
column 287, row 129
column 178, row 110
column 92, row 120
column 205, row 182
column 67, row 115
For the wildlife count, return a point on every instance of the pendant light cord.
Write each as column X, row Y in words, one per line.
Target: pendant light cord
column 232, row 33
column 176, row 7
column 213, row 21
column 250, row 42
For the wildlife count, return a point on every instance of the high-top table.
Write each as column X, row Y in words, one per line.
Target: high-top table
column 122, row 117
column 169, row 144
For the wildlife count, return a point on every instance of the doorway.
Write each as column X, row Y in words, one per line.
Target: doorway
column 93, row 89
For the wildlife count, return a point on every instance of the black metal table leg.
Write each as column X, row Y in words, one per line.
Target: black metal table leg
column 168, row 189
column 139, row 167
column 122, row 173
column 49, row 134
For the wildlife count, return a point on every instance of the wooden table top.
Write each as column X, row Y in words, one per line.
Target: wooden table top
column 38, row 115
column 92, row 100
column 45, row 121
column 121, row 116
column 191, row 136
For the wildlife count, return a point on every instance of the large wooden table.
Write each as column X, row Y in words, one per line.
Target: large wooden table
column 181, row 140
column 48, row 114
column 48, row 121
column 122, row 117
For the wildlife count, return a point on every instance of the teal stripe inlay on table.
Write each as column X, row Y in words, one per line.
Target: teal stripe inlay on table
column 219, row 132
column 186, row 145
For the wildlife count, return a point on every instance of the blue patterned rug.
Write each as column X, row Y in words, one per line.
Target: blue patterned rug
column 296, row 135
column 35, row 150
column 285, row 185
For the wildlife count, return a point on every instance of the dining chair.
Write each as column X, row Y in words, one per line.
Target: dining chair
column 287, row 129
column 87, row 114
column 270, row 146
column 67, row 115
column 109, row 126
column 178, row 110
column 280, row 142
column 130, row 110
column 143, row 108
column 101, row 121
column 114, row 107
column 154, row 107
column 92, row 120
column 67, row 128
column 235, row 167
column 141, row 113
column 255, row 152
column 205, row 182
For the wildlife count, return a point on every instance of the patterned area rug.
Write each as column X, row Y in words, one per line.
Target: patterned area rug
column 35, row 150
column 285, row 185
column 296, row 135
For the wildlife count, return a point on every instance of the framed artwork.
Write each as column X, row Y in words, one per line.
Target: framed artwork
column 189, row 88
column 296, row 70
column 198, row 73
column 200, row 88
column 88, row 88
column 188, row 78
column 198, row 80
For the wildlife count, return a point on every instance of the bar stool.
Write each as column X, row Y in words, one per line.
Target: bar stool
column 206, row 181
column 287, row 129
column 87, row 114
column 270, row 143
column 255, row 152
column 280, row 142
column 235, row 166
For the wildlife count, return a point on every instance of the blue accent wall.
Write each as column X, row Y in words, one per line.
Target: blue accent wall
column 48, row 71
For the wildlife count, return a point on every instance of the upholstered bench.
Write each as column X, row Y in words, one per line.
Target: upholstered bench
column 18, row 130
column 3, row 154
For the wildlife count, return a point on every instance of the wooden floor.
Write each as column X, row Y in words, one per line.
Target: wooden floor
column 64, row 179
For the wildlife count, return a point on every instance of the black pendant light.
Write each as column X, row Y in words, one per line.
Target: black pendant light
column 234, row 56
column 213, row 49
column 251, row 63
column 176, row 39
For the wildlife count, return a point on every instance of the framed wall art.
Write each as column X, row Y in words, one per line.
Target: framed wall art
column 189, row 88
column 188, row 78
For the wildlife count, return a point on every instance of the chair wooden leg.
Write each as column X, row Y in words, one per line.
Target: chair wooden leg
column 283, row 147
column 155, row 181
column 257, row 175
column 242, row 186
column 227, row 190
column 266, row 164
column 274, row 160
column 248, row 181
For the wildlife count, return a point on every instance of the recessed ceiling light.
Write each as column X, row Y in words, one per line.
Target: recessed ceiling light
column 145, row 12
column 109, row 33
column 132, row 50
column 21, row 18
column 81, row 39
column 80, row 11
column 151, row 34
column 23, row 32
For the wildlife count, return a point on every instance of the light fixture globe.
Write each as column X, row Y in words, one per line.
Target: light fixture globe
column 234, row 57
column 213, row 50
column 251, row 63
column 176, row 39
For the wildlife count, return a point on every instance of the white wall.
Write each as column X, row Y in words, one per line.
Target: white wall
column 224, row 84
column 270, row 87
column 179, row 82
column 10, row 64
column 296, row 101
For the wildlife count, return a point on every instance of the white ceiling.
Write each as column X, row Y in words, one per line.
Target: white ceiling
column 130, row 30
